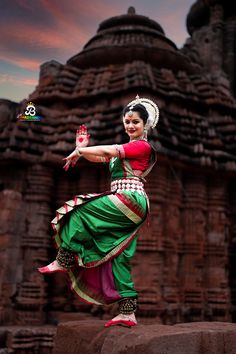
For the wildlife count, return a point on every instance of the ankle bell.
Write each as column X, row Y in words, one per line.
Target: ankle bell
column 127, row 306
column 65, row 258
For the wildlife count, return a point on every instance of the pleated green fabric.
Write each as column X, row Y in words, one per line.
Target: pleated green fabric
column 96, row 227
column 121, row 267
column 102, row 232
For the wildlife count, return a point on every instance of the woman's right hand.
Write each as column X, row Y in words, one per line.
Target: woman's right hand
column 82, row 140
column 82, row 137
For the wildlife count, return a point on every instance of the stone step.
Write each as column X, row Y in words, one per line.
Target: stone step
column 90, row 337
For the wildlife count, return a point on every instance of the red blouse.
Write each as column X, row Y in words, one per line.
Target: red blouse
column 138, row 153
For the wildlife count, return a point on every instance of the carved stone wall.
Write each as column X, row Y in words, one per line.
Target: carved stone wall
column 186, row 262
column 27, row 339
column 232, row 245
column 12, row 227
column 194, row 223
column 184, row 266
column 25, row 244
column 212, row 26
column 217, row 251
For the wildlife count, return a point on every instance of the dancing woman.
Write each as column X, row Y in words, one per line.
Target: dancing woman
column 96, row 233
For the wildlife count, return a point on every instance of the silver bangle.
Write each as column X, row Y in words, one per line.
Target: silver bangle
column 78, row 152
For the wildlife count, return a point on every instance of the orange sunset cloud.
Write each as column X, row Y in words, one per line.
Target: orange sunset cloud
column 36, row 32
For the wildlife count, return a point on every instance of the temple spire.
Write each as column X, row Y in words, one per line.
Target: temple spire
column 131, row 11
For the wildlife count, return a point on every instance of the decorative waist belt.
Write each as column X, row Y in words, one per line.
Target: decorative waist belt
column 127, row 184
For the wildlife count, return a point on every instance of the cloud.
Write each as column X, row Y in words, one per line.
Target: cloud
column 22, row 61
column 61, row 37
column 35, row 38
column 75, row 12
column 37, row 31
column 24, row 4
column 17, row 80
column 29, row 47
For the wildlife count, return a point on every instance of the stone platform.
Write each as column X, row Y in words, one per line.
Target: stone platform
column 90, row 337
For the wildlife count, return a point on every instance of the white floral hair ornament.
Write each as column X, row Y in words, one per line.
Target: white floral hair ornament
column 152, row 109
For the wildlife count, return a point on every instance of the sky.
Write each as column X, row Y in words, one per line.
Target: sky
column 36, row 31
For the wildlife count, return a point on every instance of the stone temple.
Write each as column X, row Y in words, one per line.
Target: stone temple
column 184, row 268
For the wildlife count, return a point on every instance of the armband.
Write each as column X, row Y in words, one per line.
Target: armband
column 120, row 150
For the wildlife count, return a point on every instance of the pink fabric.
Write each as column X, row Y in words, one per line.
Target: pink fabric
column 99, row 282
column 138, row 153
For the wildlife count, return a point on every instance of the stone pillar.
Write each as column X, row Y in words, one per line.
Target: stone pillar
column 192, row 248
column 173, row 235
column 216, row 260
column 12, row 226
column 208, row 40
column 232, row 247
column 217, row 28
column 148, row 260
column 229, row 57
column 36, row 241
column 151, row 238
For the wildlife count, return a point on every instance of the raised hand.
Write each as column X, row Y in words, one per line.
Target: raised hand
column 82, row 140
column 82, row 137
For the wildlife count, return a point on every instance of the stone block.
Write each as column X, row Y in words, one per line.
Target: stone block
column 91, row 337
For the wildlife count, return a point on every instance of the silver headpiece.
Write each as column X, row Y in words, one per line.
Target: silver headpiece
column 130, row 113
column 152, row 109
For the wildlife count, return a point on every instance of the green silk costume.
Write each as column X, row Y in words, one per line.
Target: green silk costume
column 101, row 230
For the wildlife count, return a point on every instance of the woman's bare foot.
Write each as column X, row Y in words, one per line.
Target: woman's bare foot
column 52, row 268
column 123, row 320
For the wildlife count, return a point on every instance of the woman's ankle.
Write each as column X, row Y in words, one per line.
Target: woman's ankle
column 65, row 259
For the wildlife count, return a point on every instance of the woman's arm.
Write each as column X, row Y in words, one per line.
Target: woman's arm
column 107, row 151
column 94, row 158
column 90, row 153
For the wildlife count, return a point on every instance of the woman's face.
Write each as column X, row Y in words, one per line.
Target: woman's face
column 133, row 125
